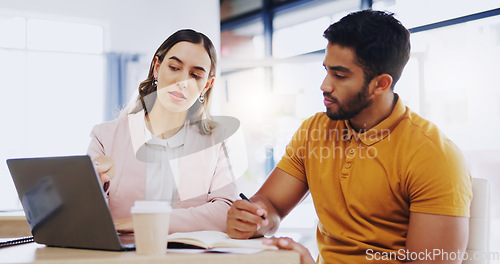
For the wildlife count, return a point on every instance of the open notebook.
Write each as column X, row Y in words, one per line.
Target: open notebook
column 215, row 241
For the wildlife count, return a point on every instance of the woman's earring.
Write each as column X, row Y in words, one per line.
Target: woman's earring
column 201, row 99
column 155, row 83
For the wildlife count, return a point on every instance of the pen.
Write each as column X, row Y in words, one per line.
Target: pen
column 245, row 198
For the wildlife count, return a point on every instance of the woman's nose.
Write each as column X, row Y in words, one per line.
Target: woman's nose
column 183, row 84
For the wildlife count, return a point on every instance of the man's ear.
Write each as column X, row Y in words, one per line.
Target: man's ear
column 381, row 83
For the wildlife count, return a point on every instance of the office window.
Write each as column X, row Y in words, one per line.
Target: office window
column 309, row 34
column 417, row 13
column 248, row 104
column 232, row 8
column 52, row 76
column 302, row 81
column 243, row 43
column 450, row 79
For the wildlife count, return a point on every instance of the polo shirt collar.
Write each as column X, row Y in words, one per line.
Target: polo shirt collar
column 382, row 129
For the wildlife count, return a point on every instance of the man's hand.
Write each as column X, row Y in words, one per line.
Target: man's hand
column 106, row 169
column 244, row 219
column 275, row 199
column 288, row 243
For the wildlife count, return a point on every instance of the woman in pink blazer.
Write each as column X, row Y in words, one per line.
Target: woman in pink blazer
column 166, row 146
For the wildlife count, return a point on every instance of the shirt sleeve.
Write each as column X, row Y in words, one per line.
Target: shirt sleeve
column 96, row 147
column 209, row 216
column 293, row 160
column 439, row 183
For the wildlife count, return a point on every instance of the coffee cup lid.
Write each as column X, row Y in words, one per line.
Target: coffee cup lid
column 149, row 207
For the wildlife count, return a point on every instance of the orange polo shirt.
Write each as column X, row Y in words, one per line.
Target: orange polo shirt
column 364, row 185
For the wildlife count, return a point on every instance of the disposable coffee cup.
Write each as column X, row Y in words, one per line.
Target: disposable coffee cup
column 151, row 222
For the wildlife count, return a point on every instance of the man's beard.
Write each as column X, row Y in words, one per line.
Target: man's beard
column 353, row 106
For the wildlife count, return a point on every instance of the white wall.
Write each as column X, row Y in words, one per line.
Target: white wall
column 138, row 26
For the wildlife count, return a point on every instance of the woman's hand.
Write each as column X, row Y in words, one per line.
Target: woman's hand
column 106, row 169
column 124, row 225
column 288, row 243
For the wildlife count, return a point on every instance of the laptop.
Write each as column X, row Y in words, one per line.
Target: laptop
column 64, row 203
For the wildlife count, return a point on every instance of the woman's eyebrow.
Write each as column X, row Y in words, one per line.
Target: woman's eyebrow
column 180, row 61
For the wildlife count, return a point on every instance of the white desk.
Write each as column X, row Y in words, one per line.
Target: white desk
column 36, row 253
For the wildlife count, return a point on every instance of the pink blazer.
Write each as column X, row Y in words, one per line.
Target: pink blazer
column 206, row 186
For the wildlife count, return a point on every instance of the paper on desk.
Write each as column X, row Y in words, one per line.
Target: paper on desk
column 186, row 250
column 216, row 250
column 235, row 250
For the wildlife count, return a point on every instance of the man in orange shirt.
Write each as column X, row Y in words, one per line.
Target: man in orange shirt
column 388, row 186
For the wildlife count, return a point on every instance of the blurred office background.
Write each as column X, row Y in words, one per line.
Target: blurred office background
column 67, row 65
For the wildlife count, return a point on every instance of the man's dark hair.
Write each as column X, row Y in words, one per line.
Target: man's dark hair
column 381, row 43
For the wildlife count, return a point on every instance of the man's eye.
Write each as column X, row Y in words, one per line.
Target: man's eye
column 339, row 76
column 197, row 77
